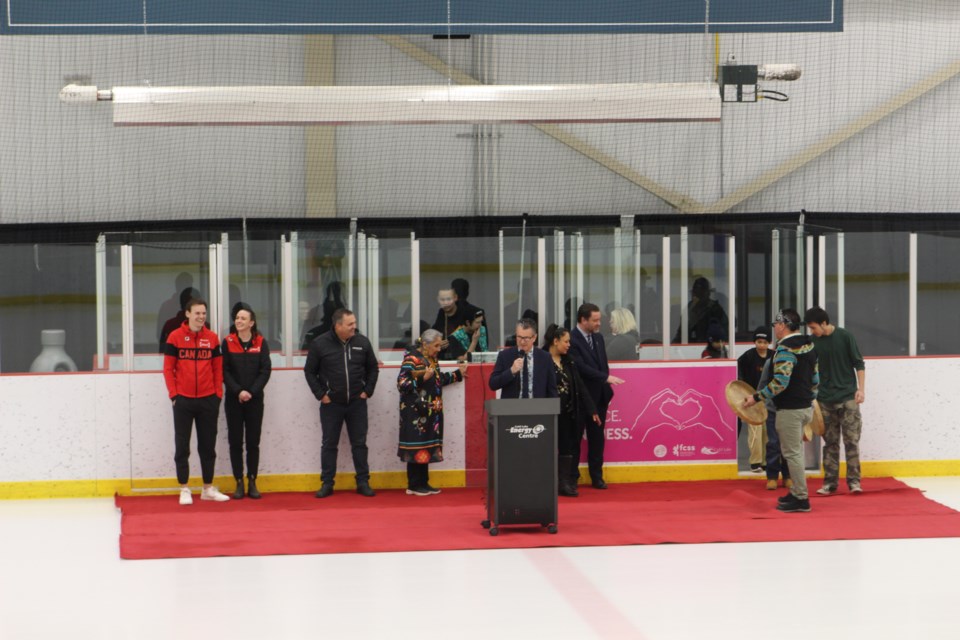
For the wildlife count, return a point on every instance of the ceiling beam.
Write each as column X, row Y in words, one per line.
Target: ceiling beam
column 679, row 201
column 875, row 115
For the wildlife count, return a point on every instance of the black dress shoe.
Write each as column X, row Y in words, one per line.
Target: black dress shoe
column 599, row 484
column 252, row 489
column 565, row 489
column 365, row 490
column 326, row 489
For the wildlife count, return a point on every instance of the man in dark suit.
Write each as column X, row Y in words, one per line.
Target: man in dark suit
column 524, row 371
column 590, row 354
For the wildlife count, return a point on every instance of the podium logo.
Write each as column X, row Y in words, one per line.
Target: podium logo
column 524, row 431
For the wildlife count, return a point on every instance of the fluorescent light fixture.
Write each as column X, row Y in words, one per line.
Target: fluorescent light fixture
column 456, row 104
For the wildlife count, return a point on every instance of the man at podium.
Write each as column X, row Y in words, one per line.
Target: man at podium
column 524, row 371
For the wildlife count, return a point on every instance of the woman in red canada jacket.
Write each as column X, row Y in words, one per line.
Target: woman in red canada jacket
column 193, row 371
column 246, row 370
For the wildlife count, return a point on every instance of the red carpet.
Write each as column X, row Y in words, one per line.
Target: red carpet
column 644, row 513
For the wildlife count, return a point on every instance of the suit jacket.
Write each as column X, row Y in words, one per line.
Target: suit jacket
column 544, row 376
column 593, row 366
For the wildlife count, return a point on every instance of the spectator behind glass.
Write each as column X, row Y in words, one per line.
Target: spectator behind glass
column 702, row 311
column 310, row 311
column 450, row 317
column 624, row 336
column 470, row 338
column 648, row 319
column 570, row 313
column 174, row 304
column 406, row 342
column 332, row 301
column 462, row 288
column 716, row 343
column 174, row 323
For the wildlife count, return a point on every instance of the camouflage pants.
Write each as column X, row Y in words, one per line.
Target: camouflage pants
column 841, row 419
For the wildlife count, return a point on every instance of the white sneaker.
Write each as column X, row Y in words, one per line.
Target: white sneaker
column 212, row 493
column 185, row 497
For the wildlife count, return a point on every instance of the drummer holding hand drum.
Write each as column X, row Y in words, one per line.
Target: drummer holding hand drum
column 793, row 389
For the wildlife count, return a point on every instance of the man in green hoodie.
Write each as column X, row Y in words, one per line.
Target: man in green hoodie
column 841, row 395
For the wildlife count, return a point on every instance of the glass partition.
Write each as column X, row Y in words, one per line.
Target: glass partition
column 828, row 247
column 395, row 295
column 165, row 276
column 753, row 281
column 610, row 281
column 699, row 299
column 608, row 274
column 476, row 260
column 565, row 269
column 254, row 276
column 113, row 306
column 789, row 279
column 938, row 294
column 616, row 269
column 649, row 314
column 367, row 273
column 833, row 249
column 47, row 288
column 324, row 281
column 521, row 291
column 864, row 276
column 876, row 304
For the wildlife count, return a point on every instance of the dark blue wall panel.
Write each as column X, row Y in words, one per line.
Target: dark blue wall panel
column 417, row 17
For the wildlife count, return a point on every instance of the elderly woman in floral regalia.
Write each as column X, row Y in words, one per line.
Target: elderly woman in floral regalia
column 421, row 383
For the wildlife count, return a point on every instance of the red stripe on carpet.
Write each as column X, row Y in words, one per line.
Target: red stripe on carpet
column 644, row 513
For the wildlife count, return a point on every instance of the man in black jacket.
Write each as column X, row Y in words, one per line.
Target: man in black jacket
column 342, row 372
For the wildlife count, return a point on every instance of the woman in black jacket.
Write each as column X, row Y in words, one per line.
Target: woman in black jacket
column 246, row 370
column 576, row 407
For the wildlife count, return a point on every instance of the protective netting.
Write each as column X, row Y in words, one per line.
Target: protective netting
column 869, row 127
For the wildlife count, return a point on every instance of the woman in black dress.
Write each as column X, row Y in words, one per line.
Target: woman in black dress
column 576, row 407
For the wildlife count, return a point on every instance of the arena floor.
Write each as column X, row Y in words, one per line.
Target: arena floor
column 62, row 577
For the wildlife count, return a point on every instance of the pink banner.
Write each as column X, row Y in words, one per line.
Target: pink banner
column 671, row 413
